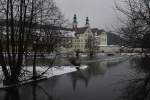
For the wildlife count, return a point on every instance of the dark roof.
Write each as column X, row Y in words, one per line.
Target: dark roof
column 94, row 30
column 99, row 31
column 80, row 30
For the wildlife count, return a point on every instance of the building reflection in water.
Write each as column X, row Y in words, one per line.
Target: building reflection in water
column 53, row 87
column 94, row 69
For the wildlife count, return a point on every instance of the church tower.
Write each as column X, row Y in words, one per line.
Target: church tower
column 75, row 23
column 87, row 24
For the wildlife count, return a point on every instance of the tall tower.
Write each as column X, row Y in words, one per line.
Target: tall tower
column 87, row 24
column 75, row 23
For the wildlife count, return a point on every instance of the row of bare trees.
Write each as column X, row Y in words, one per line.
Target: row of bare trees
column 136, row 28
column 19, row 19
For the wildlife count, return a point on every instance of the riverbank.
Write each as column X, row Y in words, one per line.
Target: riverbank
column 58, row 70
column 49, row 72
column 102, row 80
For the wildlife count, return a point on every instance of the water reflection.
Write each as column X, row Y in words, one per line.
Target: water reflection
column 29, row 92
column 138, row 88
column 100, row 68
column 95, row 69
column 79, row 76
column 12, row 94
column 80, row 85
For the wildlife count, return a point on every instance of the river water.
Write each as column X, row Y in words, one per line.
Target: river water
column 105, row 80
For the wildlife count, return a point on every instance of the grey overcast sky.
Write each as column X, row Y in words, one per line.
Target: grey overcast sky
column 101, row 13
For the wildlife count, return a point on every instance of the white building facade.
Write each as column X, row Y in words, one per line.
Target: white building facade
column 81, row 35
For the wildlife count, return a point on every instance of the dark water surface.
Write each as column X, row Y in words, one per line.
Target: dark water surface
column 100, row 81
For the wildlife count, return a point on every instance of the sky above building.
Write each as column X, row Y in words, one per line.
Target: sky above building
column 101, row 13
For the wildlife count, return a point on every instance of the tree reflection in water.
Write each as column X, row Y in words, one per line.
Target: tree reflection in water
column 139, row 87
column 12, row 94
column 33, row 94
column 53, row 89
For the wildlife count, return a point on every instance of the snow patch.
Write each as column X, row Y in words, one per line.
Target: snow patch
column 56, row 70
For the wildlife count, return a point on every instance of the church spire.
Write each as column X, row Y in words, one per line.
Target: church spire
column 87, row 24
column 75, row 23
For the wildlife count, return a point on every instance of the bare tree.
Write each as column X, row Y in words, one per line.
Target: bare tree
column 22, row 18
column 137, row 25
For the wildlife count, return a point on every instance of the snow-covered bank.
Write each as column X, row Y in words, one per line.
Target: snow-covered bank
column 54, row 71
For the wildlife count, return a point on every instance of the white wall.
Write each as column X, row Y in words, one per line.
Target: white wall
column 108, row 49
